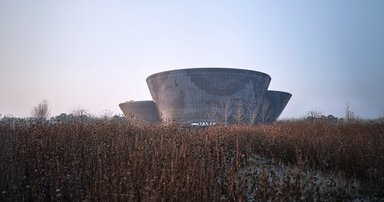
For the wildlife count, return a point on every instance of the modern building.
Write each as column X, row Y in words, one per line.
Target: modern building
column 272, row 106
column 210, row 95
column 140, row 110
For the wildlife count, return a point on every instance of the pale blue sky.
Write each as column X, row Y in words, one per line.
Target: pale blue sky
column 97, row 54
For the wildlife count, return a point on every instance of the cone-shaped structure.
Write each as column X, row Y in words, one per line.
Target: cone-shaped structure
column 140, row 110
column 272, row 106
column 207, row 94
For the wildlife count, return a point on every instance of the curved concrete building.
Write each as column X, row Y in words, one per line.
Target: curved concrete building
column 140, row 110
column 273, row 105
column 208, row 94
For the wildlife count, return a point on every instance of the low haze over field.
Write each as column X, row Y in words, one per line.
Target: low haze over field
column 97, row 54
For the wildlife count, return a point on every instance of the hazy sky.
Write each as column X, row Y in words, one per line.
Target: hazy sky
column 97, row 54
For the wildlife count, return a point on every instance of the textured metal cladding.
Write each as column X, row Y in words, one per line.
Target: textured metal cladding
column 277, row 101
column 188, row 95
column 140, row 110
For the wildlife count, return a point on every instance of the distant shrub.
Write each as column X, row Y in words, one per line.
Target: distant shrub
column 41, row 110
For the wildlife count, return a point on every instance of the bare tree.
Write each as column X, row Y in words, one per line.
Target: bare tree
column 81, row 112
column 220, row 112
column 252, row 110
column 239, row 113
column 106, row 114
column 314, row 115
column 264, row 111
column 349, row 114
column 225, row 105
column 41, row 110
column 214, row 113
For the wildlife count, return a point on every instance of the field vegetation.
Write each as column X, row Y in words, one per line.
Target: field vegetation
column 117, row 160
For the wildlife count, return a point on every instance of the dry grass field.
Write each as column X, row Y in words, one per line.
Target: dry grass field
column 107, row 160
